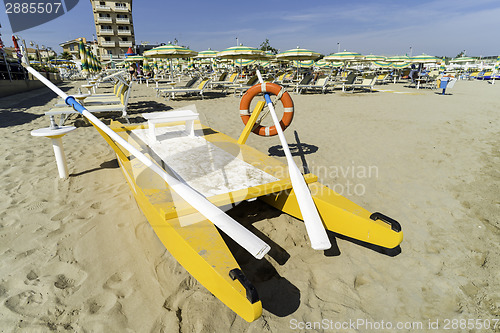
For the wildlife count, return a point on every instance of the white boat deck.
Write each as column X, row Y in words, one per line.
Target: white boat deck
column 205, row 167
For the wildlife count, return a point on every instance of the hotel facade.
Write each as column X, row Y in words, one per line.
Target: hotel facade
column 114, row 28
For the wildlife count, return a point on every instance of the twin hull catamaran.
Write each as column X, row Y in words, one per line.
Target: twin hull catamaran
column 180, row 171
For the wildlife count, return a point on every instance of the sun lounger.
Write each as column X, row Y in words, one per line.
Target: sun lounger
column 66, row 111
column 189, row 84
column 321, row 84
column 345, row 82
column 241, row 88
column 190, row 91
column 366, row 83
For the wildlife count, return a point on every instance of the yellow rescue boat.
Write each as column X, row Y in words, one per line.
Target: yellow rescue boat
column 225, row 172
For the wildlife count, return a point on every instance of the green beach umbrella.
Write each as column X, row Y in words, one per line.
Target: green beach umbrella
column 383, row 64
column 442, row 66
column 424, row 59
column 207, row 54
column 134, row 58
column 463, row 59
column 145, row 65
column 322, row 64
column 373, row 58
column 241, row 52
column 400, row 59
column 170, row 51
column 344, row 56
column 244, row 62
column 303, row 63
column 90, row 64
column 298, row 54
column 400, row 65
column 207, row 57
column 83, row 57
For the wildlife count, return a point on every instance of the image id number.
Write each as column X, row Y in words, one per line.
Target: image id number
column 32, row 8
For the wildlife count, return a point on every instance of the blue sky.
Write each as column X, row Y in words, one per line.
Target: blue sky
column 441, row 28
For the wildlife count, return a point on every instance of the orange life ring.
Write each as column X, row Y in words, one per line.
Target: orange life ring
column 274, row 89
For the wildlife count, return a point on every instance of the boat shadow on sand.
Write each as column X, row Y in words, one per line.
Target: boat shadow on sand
column 278, row 295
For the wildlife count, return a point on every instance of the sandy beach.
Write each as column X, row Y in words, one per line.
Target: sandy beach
column 78, row 255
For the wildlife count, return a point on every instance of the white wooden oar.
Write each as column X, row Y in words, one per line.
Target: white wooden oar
column 229, row 226
column 312, row 220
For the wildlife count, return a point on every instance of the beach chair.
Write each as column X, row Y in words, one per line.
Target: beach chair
column 347, row 82
column 306, row 80
column 241, row 88
column 188, row 85
column 170, row 93
column 117, row 97
column 67, row 111
column 382, row 79
column 321, row 84
column 224, row 84
column 366, row 83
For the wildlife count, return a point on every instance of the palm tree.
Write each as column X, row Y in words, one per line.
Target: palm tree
column 66, row 55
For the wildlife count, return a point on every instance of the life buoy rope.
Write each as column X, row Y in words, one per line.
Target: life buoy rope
column 281, row 94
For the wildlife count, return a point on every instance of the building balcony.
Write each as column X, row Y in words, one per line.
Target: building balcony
column 108, row 43
column 123, row 20
column 121, row 9
column 124, row 32
column 101, row 8
column 106, row 32
column 125, row 44
column 104, row 20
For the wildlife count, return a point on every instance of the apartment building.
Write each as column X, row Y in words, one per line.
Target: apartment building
column 114, row 28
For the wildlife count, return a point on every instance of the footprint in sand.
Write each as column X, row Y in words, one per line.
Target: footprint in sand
column 119, row 283
column 27, row 303
column 60, row 216
column 101, row 303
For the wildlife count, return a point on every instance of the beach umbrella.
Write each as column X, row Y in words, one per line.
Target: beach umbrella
column 170, row 52
column 83, row 57
column 303, row 63
column 244, row 62
column 322, row 64
column 398, row 59
column 134, row 58
column 241, row 52
column 383, row 64
column 463, row 59
column 90, row 64
column 373, row 58
column 145, row 65
column 344, row 56
column 207, row 54
column 424, row 59
column 442, row 66
column 298, row 55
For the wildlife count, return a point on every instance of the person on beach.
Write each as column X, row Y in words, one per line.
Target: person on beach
column 413, row 73
column 131, row 70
